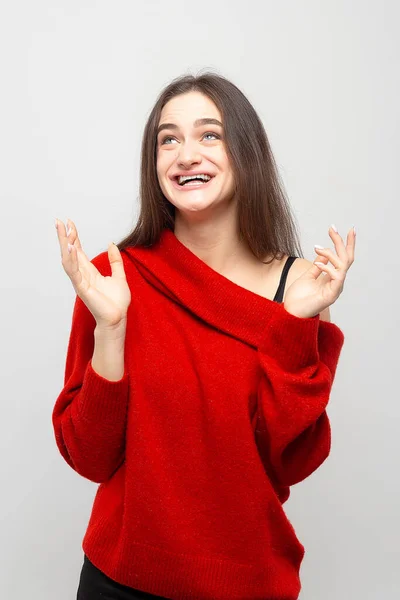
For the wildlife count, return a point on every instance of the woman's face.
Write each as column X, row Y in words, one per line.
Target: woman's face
column 191, row 140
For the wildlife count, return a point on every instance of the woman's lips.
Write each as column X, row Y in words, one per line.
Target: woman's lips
column 190, row 186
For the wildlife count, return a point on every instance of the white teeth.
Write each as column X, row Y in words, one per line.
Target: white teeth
column 201, row 176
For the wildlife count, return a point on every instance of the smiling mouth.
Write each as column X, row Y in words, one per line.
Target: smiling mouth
column 199, row 180
column 194, row 183
column 191, row 184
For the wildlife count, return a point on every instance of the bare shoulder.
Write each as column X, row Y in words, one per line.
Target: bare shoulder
column 299, row 266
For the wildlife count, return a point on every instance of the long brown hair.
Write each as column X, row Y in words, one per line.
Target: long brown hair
column 265, row 221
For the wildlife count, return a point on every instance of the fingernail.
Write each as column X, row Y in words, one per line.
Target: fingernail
column 69, row 248
column 334, row 228
column 68, row 230
column 354, row 229
column 317, row 246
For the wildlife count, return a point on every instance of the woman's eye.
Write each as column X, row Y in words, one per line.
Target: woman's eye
column 166, row 139
column 210, row 133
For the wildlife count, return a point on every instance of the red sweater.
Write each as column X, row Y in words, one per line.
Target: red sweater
column 221, row 408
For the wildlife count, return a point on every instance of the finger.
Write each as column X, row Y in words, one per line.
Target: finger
column 63, row 240
column 69, row 256
column 75, row 262
column 69, row 252
column 335, row 274
column 315, row 269
column 339, row 245
column 345, row 253
column 73, row 234
column 76, row 271
column 331, row 256
column 60, row 232
column 74, row 240
column 116, row 262
column 351, row 244
column 336, row 282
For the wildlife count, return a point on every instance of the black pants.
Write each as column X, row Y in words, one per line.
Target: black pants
column 95, row 585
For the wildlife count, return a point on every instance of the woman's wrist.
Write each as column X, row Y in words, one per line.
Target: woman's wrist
column 298, row 314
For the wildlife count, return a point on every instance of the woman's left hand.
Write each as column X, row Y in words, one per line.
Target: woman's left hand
column 322, row 284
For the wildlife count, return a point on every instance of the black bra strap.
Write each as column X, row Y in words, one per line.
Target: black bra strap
column 279, row 292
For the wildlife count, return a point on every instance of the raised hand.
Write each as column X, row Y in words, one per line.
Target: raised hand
column 322, row 284
column 107, row 298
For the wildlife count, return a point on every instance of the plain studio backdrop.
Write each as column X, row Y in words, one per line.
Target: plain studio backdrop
column 78, row 79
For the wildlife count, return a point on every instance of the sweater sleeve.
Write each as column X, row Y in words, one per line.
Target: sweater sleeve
column 298, row 358
column 89, row 416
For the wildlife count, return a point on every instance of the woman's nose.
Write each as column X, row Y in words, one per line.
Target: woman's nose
column 188, row 155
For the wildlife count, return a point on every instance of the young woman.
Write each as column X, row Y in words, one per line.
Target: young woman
column 200, row 364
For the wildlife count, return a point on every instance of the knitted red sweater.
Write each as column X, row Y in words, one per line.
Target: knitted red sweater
column 221, row 408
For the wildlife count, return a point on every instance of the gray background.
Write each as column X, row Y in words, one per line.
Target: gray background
column 78, row 80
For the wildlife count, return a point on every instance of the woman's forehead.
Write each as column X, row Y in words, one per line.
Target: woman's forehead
column 189, row 107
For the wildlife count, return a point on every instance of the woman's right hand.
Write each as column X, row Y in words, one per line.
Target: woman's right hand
column 107, row 298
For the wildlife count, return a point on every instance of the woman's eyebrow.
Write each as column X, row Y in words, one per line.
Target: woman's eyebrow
column 197, row 123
